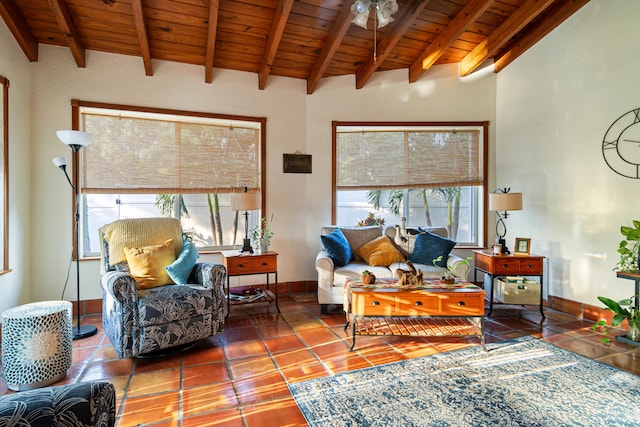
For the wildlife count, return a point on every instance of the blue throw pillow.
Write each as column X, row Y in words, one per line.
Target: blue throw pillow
column 430, row 246
column 180, row 269
column 338, row 247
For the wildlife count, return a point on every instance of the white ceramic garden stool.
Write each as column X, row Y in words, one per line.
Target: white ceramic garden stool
column 36, row 344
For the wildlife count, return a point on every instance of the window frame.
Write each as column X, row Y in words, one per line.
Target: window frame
column 77, row 105
column 483, row 198
column 5, row 175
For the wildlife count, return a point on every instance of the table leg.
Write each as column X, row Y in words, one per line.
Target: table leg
column 276, row 285
column 228, row 302
column 541, row 295
column 353, row 335
column 491, row 296
column 482, row 341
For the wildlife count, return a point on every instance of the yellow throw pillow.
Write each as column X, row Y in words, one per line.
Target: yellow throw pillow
column 380, row 251
column 148, row 264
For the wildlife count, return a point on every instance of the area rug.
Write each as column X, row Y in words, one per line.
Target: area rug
column 522, row 382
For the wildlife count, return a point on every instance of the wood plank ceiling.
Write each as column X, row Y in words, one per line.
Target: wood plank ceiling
column 303, row 39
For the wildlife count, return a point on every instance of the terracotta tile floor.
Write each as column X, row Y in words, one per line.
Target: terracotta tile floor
column 240, row 378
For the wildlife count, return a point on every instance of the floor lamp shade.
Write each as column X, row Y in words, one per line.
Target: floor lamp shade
column 76, row 140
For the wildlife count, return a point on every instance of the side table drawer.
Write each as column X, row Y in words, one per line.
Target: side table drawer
column 463, row 304
column 265, row 264
column 530, row 267
column 506, row 266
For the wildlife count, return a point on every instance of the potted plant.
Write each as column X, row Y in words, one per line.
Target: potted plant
column 628, row 248
column 262, row 235
column 449, row 272
column 622, row 310
column 367, row 277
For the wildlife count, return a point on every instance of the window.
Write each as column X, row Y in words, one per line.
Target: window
column 4, row 164
column 145, row 162
column 432, row 174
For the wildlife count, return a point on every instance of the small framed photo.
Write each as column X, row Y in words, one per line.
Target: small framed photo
column 522, row 246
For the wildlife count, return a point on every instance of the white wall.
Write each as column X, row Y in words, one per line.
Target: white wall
column 15, row 286
column 301, row 203
column 554, row 105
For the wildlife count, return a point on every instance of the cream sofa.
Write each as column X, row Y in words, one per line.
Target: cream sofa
column 331, row 278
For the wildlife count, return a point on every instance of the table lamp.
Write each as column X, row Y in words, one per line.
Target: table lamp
column 246, row 202
column 502, row 200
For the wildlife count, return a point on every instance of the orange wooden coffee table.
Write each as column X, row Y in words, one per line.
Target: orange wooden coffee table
column 432, row 309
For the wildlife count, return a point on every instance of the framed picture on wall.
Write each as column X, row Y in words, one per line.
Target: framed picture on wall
column 522, row 246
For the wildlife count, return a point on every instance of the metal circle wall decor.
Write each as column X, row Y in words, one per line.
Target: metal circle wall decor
column 621, row 145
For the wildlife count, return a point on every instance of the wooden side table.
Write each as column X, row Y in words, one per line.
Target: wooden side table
column 508, row 265
column 242, row 264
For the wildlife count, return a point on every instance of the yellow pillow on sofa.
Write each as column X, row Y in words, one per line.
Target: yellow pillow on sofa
column 380, row 252
column 148, row 264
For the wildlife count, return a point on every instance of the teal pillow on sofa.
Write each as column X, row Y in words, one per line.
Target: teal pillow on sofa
column 338, row 247
column 180, row 269
column 430, row 246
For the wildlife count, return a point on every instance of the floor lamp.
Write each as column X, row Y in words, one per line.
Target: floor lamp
column 502, row 200
column 246, row 202
column 76, row 140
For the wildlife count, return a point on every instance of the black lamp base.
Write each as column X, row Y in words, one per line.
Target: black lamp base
column 246, row 246
column 84, row 331
column 503, row 243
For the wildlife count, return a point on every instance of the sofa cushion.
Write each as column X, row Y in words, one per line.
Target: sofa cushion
column 380, row 252
column 429, row 246
column 148, row 264
column 180, row 269
column 338, row 247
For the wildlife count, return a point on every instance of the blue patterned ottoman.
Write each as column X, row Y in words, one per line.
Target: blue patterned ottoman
column 36, row 344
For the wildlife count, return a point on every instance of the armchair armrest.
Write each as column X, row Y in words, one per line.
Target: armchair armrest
column 208, row 275
column 214, row 277
column 120, row 286
column 458, row 265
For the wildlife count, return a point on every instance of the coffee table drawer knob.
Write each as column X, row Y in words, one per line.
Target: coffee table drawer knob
column 375, row 303
column 461, row 303
column 418, row 303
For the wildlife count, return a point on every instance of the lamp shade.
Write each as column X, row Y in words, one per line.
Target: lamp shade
column 505, row 201
column 74, row 137
column 59, row 161
column 245, row 201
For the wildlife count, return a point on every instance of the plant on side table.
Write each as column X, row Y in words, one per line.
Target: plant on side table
column 622, row 310
column 628, row 248
column 262, row 234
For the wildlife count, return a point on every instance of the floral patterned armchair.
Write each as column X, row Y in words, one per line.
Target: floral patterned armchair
column 143, row 319
column 82, row 404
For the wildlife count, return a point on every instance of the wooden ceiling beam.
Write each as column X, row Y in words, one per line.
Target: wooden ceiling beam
column 501, row 36
column 329, row 48
column 12, row 16
column 280, row 19
column 391, row 39
column 65, row 22
column 212, row 30
column 468, row 15
column 545, row 26
column 141, row 30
